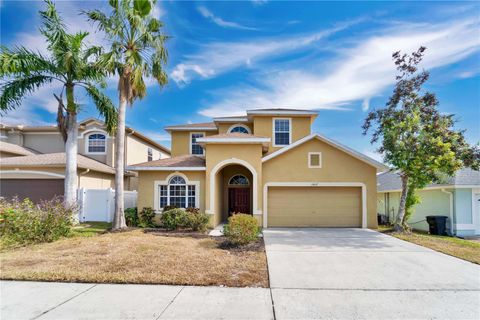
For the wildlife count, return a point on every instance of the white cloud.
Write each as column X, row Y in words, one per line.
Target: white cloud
column 357, row 73
column 366, row 104
column 216, row 58
column 220, row 22
column 158, row 11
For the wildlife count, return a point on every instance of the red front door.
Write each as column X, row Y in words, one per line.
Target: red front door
column 238, row 200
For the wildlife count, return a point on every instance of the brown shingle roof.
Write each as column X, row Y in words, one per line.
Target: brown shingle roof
column 180, row 161
column 55, row 160
column 15, row 149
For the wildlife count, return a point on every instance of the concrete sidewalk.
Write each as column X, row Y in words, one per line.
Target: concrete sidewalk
column 50, row 300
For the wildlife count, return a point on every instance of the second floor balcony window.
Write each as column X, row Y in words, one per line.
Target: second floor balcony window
column 281, row 132
column 194, row 146
column 96, row 143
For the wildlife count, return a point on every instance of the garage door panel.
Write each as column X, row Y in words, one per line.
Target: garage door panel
column 34, row 189
column 314, row 207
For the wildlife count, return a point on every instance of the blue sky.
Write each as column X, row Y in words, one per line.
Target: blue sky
column 334, row 57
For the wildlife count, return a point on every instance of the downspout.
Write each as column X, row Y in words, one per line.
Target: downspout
column 450, row 208
column 81, row 174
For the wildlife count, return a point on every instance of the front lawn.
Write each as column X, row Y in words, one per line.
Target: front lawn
column 460, row 248
column 136, row 257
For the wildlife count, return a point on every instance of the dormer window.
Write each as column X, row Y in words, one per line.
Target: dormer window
column 239, row 128
column 282, row 135
column 96, row 143
column 195, row 148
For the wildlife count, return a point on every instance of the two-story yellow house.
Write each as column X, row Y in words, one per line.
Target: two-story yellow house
column 268, row 164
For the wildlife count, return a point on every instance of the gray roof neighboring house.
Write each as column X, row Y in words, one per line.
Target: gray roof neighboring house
column 54, row 160
column 390, row 181
column 16, row 149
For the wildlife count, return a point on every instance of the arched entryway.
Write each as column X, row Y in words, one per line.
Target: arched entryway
column 233, row 189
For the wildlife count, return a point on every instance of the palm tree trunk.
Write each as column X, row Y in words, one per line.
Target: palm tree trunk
column 71, row 147
column 119, row 216
column 399, row 224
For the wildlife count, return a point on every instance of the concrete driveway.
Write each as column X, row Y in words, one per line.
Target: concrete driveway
column 360, row 273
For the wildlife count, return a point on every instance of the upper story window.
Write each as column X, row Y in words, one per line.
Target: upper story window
column 96, row 143
column 149, row 154
column 195, row 148
column 282, row 131
column 239, row 128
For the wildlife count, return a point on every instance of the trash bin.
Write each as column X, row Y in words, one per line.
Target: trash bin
column 437, row 225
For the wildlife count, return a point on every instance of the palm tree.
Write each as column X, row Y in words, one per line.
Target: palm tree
column 23, row 71
column 137, row 51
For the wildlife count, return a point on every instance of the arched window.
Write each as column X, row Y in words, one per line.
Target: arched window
column 177, row 193
column 239, row 128
column 96, row 143
column 238, row 180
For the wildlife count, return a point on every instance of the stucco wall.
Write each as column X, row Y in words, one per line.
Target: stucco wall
column 146, row 180
column 137, row 151
column 44, row 142
column 263, row 126
column 181, row 141
column 232, row 154
column 337, row 166
column 96, row 180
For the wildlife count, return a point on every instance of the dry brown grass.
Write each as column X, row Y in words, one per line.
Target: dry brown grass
column 464, row 249
column 136, row 257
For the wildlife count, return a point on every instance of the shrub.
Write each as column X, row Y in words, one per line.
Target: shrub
column 241, row 229
column 23, row 222
column 145, row 217
column 131, row 217
column 192, row 210
column 168, row 208
column 174, row 219
column 198, row 221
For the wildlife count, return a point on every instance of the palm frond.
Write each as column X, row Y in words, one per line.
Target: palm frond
column 21, row 61
column 53, row 28
column 105, row 107
column 12, row 92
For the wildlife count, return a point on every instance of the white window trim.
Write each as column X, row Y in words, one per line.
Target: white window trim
column 190, row 143
column 239, row 125
column 310, row 154
column 158, row 183
column 86, row 142
column 314, row 184
column 93, row 130
column 289, row 132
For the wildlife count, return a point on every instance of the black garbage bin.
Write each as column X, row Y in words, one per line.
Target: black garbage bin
column 437, row 225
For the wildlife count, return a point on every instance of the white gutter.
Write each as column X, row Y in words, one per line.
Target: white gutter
column 153, row 168
column 450, row 208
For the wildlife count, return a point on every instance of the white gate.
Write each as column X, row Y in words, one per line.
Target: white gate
column 99, row 205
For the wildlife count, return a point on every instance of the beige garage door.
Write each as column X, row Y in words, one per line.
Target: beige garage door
column 314, row 207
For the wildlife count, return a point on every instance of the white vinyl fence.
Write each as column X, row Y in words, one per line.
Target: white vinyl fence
column 99, row 205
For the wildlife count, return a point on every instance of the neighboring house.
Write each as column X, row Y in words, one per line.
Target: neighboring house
column 458, row 199
column 266, row 163
column 32, row 160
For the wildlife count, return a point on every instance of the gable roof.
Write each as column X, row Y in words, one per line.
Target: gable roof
column 390, row 180
column 185, row 163
column 54, row 128
column 16, row 149
column 205, row 126
column 360, row 156
column 55, row 160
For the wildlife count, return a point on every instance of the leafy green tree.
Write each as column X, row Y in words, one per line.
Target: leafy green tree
column 137, row 51
column 69, row 63
column 416, row 139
